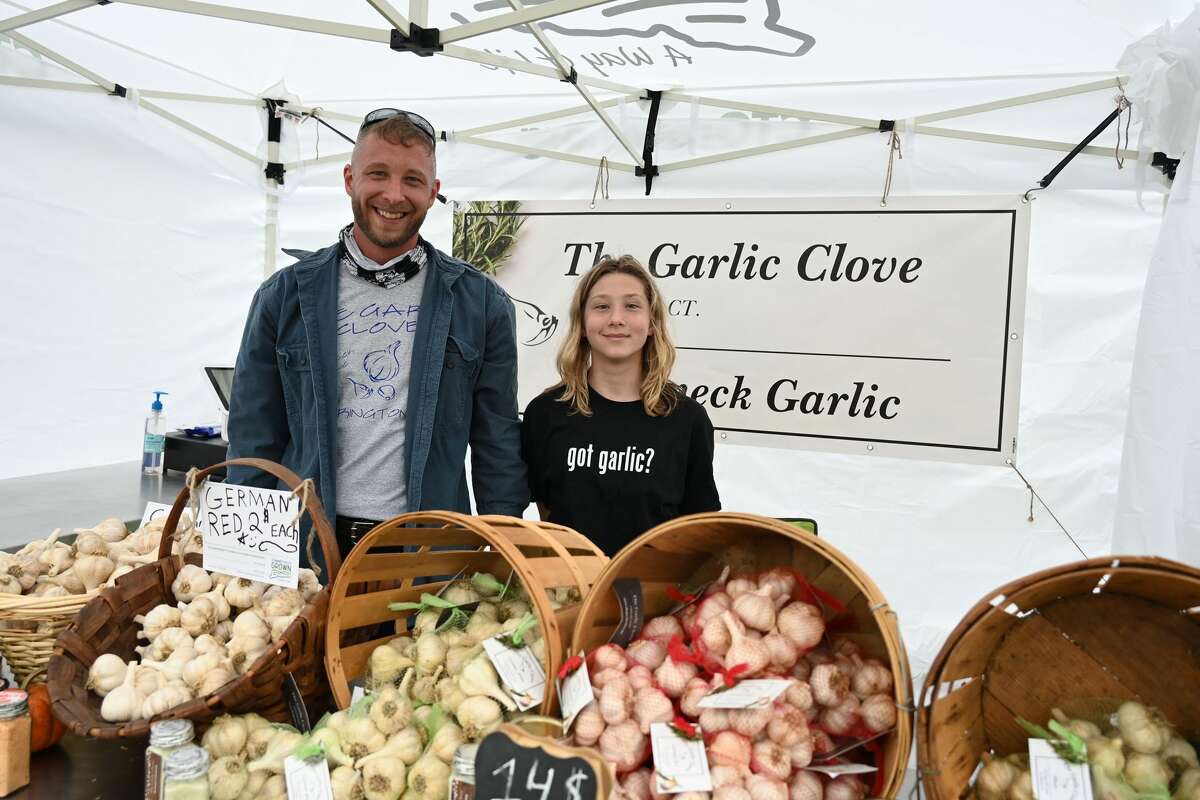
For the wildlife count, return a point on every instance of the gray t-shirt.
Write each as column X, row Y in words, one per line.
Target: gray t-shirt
column 375, row 330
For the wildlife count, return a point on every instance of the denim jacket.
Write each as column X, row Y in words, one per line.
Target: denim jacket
column 462, row 387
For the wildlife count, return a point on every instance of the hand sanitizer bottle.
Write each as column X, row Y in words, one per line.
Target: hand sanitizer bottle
column 155, row 440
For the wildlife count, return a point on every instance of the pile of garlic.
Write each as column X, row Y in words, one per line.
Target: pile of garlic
column 98, row 556
column 387, row 746
column 218, row 629
column 1140, row 755
column 246, row 754
column 750, row 626
column 445, row 648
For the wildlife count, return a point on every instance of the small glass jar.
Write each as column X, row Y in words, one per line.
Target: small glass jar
column 186, row 772
column 165, row 738
column 462, row 773
column 15, row 730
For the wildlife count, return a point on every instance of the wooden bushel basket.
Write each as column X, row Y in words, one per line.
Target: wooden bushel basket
column 378, row 571
column 681, row 550
column 1106, row 629
column 106, row 625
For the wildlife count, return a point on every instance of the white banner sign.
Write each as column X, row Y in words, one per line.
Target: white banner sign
column 251, row 533
column 830, row 324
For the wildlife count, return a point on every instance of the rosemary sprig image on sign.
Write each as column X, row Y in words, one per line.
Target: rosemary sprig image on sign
column 485, row 233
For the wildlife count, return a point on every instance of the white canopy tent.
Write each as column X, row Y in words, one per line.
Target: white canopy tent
column 137, row 227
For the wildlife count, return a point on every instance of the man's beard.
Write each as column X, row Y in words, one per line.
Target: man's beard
column 364, row 217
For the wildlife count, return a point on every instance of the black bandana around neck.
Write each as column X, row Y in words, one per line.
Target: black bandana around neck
column 395, row 272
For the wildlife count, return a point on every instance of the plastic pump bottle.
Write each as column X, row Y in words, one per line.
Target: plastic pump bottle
column 155, row 440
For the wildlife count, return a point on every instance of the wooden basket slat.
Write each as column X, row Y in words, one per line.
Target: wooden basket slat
column 659, row 557
column 539, row 554
column 385, row 566
column 1106, row 623
column 1061, row 643
column 106, row 625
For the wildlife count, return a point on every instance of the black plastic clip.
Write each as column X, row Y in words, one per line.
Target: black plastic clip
column 120, row 91
column 103, row 2
column 1165, row 163
column 572, row 77
column 649, row 171
column 422, row 41
column 274, row 122
column 886, row 125
column 275, row 171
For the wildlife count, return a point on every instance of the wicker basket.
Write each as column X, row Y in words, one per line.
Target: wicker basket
column 105, row 625
column 29, row 625
column 543, row 556
column 681, row 550
column 1107, row 628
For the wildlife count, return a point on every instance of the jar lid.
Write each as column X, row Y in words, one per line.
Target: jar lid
column 186, row 763
column 464, row 759
column 172, row 733
column 13, row 703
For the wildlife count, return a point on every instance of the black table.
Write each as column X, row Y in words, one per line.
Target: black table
column 86, row 769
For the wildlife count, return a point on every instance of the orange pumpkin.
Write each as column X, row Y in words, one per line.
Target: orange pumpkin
column 46, row 728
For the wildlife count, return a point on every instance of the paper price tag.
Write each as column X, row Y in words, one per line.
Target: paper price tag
column 575, row 692
column 156, row 511
column 520, row 671
column 1055, row 778
column 251, row 533
column 307, row 780
column 680, row 765
column 747, row 694
column 834, row 770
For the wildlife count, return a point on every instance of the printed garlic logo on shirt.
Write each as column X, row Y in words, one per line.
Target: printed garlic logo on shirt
column 752, row 26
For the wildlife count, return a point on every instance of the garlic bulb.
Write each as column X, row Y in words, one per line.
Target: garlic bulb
column 194, row 671
column 124, row 702
column 214, row 680
column 164, row 699
column 221, row 608
column 89, row 543
column 242, row 593
column 429, row 777
column 250, row 624
column 67, row 580
column 1138, row 730
column 623, row 744
column 383, row 666
column 479, row 678
column 106, row 673
column 158, row 619
column 446, row 741
column 431, row 653
column 308, row 584
column 147, row 679
column 226, row 737
column 360, row 737
column 478, row 716
column 280, row 746
column 227, row 777
column 207, row 643
column 12, row 585
column 802, row 623
column 223, row 631
column 405, row 745
column 383, row 779
column 93, row 570
column 110, row 529
column 345, row 783
column 198, row 617
column 244, row 651
column 588, row 725
column 190, row 582
column 391, row 710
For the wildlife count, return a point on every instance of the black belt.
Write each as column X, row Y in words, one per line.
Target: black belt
column 350, row 529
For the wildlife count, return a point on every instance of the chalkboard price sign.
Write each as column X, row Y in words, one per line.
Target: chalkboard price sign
column 513, row 765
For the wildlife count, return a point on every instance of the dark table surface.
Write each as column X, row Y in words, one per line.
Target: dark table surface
column 33, row 506
column 86, row 769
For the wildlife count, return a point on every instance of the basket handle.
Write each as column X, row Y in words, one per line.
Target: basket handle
column 313, row 507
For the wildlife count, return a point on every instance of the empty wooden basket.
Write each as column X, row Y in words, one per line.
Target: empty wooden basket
column 1102, row 630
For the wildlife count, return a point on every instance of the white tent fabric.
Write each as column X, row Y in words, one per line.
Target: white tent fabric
column 1158, row 509
column 134, row 246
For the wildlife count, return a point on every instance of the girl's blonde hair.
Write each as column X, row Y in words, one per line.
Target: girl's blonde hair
column 659, row 394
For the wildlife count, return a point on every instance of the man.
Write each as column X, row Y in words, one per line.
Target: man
column 370, row 365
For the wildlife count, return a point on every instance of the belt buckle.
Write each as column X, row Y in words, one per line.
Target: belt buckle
column 359, row 527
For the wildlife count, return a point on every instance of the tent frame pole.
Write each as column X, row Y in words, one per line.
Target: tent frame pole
column 518, row 16
column 49, row 12
column 572, row 77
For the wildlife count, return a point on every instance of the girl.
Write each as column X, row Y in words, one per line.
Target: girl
column 616, row 448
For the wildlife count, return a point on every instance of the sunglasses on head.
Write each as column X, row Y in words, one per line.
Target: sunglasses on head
column 380, row 114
